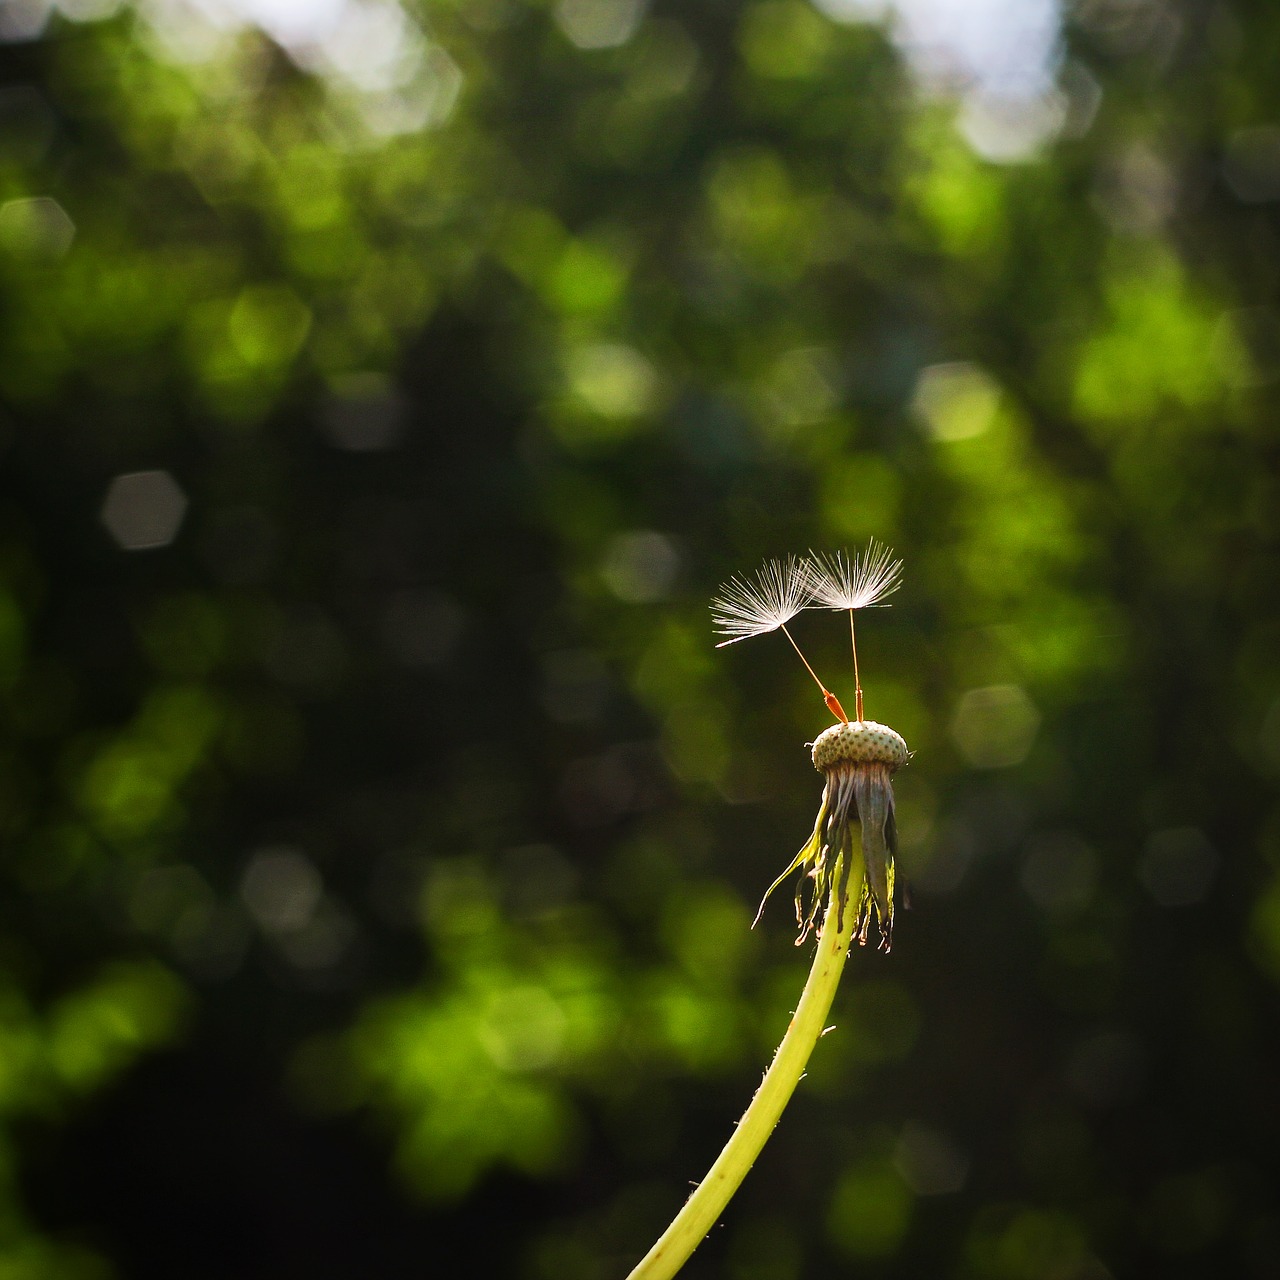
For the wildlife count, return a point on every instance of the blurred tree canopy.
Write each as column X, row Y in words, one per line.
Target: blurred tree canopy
column 382, row 404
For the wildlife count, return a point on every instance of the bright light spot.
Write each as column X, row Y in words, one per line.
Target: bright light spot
column 523, row 1029
column 268, row 325
column 403, row 80
column 1004, row 48
column 1009, row 129
column 23, row 19
column 614, row 380
column 372, row 45
column 956, row 401
column 855, row 10
column 144, row 509
column 599, row 24
column 640, row 567
column 89, row 10
column 35, row 227
column 281, row 888
column 995, row 727
column 999, row 56
column 289, row 22
column 426, row 101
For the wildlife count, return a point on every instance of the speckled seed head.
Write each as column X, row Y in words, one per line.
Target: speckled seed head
column 859, row 742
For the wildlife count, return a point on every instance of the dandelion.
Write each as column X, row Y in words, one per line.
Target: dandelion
column 851, row 877
column 858, row 761
column 840, row 581
column 767, row 601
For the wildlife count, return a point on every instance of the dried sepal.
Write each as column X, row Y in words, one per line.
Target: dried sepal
column 857, row 761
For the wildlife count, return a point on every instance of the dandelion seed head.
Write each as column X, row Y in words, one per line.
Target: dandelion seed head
column 764, row 601
column 841, row 581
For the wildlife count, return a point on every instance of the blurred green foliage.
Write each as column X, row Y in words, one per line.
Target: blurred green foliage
column 381, row 829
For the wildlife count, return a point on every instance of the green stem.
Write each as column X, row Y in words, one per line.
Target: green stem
column 704, row 1206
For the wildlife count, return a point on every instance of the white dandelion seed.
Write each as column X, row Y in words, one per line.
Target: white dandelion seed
column 766, row 601
column 841, row 581
column 852, row 582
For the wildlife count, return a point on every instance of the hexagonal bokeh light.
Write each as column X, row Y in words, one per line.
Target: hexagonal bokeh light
column 144, row 509
column 35, row 227
column 995, row 727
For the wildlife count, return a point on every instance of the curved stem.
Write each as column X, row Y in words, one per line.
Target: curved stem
column 704, row 1206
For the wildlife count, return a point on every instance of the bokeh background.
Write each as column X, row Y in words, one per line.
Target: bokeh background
column 386, row 390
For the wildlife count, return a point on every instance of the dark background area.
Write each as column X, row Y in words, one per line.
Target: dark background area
column 380, row 409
